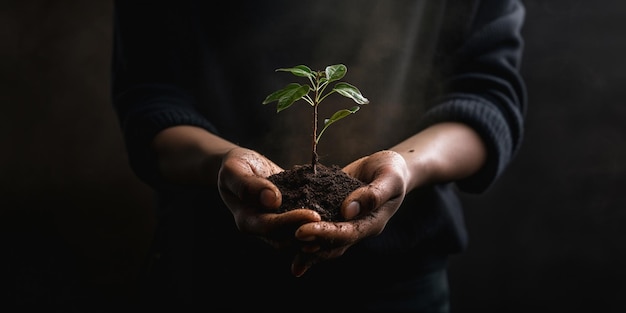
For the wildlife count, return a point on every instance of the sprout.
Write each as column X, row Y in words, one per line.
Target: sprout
column 314, row 93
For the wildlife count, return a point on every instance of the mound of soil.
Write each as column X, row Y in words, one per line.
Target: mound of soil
column 322, row 192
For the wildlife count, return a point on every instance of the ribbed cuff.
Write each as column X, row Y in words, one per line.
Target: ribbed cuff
column 485, row 118
column 150, row 109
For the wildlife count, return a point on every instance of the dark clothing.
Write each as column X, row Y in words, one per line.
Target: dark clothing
column 418, row 62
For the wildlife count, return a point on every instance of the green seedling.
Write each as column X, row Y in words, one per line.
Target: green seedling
column 314, row 93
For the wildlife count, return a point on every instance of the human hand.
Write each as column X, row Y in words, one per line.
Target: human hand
column 366, row 210
column 244, row 188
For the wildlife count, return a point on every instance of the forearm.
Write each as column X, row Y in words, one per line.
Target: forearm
column 443, row 152
column 484, row 90
column 190, row 155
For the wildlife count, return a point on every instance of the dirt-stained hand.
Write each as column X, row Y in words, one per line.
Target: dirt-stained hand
column 253, row 200
column 367, row 210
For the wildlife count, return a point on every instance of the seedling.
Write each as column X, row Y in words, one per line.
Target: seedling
column 314, row 93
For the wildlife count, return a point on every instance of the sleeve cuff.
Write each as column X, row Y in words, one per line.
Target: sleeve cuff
column 485, row 118
column 144, row 117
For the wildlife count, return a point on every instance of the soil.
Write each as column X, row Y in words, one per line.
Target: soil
column 322, row 192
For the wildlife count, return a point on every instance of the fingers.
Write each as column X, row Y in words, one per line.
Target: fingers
column 239, row 180
column 247, row 199
column 330, row 235
column 351, row 210
column 284, row 224
column 270, row 197
column 386, row 175
column 322, row 241
column 278, row 229
column 375, row 203
column 303, row 261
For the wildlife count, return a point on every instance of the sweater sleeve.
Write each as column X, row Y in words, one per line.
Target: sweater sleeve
column 152, row 69
column 484, row 89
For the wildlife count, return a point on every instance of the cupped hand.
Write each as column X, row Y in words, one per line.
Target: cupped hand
column 253, row 200
column 366, row 210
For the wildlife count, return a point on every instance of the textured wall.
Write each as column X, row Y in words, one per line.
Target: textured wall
column 549, row 237
column 74, row 222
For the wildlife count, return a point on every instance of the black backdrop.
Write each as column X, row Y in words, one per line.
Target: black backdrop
column 549, row 237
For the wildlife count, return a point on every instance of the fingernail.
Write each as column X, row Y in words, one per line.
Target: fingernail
column 353, row 209
column 267, row 197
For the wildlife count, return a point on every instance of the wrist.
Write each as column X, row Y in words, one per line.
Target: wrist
column 442, row 153
column 421, row 168
column 190, row 155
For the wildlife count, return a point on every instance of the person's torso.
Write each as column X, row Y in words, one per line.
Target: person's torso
column 389, row 48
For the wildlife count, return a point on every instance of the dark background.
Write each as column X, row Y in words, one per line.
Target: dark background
column 549, row 237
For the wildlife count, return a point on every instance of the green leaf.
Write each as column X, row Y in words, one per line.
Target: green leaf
column 287, row 96
column 276, row 95
column 335, row 117
column 351, row 92
column 299, row 70
column 335, row 72
column 340, row 114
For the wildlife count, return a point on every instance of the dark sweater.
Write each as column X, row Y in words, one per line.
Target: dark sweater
column 418, row 62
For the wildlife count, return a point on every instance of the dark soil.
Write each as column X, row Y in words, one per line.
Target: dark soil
column 323, row 192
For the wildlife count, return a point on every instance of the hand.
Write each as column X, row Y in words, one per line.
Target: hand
column 244, row 188
column 367, row 210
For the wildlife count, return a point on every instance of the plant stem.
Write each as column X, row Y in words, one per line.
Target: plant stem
column 314, row 156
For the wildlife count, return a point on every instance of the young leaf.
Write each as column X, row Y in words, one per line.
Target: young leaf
column 335, row 117
column 350, row 91
column 335, row 72
column 287, row 96
column 318, row 82
column 299, row 70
